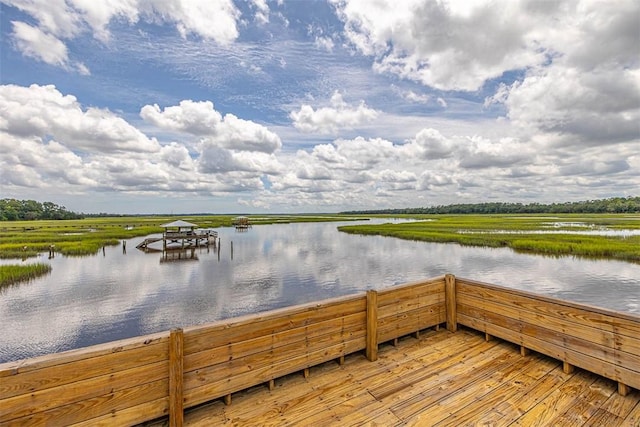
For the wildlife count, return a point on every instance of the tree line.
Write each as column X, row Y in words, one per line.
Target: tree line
column 27, row 210
column 612, row 205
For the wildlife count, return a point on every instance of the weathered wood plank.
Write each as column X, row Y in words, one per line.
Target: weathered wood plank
column 401, row 291
column 451, row 380
column 609, row 320
column 451, row 297
column 614, row 372
column 99, row 406
column 586, row 404
column 516, row 405
column 287, row 354
column 556, row 402
column 44, row 373
column 565, row 336
column 405, row 323
column 564, row 325
column 252, row 326
column 409, row 297
column 421, row 369
column 371, row 339
column 176, row 375
column 129, row 416
column 472, row 401
column 43, row 400
column 412, row 304
column 347, row 326
column 203, row 386
column 72, row 356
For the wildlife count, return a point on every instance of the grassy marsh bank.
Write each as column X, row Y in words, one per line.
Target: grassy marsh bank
column 588, row 235
column 25, row 239
column 11, row 274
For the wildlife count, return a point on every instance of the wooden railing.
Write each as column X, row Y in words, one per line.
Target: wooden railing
column 597, row 340
column 139, row 379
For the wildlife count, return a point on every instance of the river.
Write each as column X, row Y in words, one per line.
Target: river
column 118, row 294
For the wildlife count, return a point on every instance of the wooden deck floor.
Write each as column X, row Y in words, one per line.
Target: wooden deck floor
column 442, row 378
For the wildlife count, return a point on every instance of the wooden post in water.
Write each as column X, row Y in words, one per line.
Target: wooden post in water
column 372, row 325
column 176, row 373
column 232, row 250
column 450, row 302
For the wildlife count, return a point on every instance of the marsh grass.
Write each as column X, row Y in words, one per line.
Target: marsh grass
column 519, row 233
column 12, row 274
column 25, row 239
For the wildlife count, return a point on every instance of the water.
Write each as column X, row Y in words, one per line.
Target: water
column 101, row 298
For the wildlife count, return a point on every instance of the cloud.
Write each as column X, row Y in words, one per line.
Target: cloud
column 50, row 142
column 483, row 153
column 262, row 11
column 35, row 43
column 324, row 43
column 210, row 19
column 445, row 45
column 201, row 119
column 328, row 120
column 429, row 144
column 45, row 113
column 63, row 20
column 584, row 108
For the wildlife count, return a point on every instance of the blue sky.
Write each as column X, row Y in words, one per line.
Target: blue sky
column 180, row 106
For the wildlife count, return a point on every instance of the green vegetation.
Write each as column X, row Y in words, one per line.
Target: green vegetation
column 613, row 205
column 28, row 210
column 24, row 239
column 533, row 233
column 12, row 274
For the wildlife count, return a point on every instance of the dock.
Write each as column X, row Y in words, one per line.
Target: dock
column 241, row 223
column 437, row 379
column 180, row 235
column 442, row 351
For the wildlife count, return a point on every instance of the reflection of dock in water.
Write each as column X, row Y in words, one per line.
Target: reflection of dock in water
column 179, row 255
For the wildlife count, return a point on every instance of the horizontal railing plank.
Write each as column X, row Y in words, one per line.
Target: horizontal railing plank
column 132, row 415
column 82, row 366
column 43, row 400
column 271, row 342
column 75, row 412
column 253, row 326
column 592, row 364
column 608, row 320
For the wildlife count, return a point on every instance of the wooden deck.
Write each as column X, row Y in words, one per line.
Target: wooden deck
column 441, row 378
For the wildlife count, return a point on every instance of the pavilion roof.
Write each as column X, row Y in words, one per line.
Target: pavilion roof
column 180, row 224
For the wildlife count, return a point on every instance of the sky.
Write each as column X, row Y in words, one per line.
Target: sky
column 222, row 106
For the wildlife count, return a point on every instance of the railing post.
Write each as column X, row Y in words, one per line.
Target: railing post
column 450, row 302
column 176, row 372
column 372, row 326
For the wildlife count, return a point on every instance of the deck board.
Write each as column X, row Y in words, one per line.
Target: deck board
column 440, row 378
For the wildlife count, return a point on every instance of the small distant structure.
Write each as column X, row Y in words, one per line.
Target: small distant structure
column 241, row 223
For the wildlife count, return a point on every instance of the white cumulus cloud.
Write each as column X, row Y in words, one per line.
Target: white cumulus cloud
column 45, row 113
column 327, row 120
column 201, row 119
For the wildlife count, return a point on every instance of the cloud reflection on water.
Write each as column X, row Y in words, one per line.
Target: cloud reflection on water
column 94, row 299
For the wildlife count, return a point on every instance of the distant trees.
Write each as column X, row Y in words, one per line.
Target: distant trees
column 27, row 210
column 613, row 205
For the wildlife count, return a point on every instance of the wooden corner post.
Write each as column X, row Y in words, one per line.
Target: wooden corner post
column 450, row 302
column 372, row 325
column 176, row 372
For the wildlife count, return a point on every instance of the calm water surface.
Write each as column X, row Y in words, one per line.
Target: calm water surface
column 115, row 295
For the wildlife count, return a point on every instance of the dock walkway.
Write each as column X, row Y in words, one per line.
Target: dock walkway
column 439, row 379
